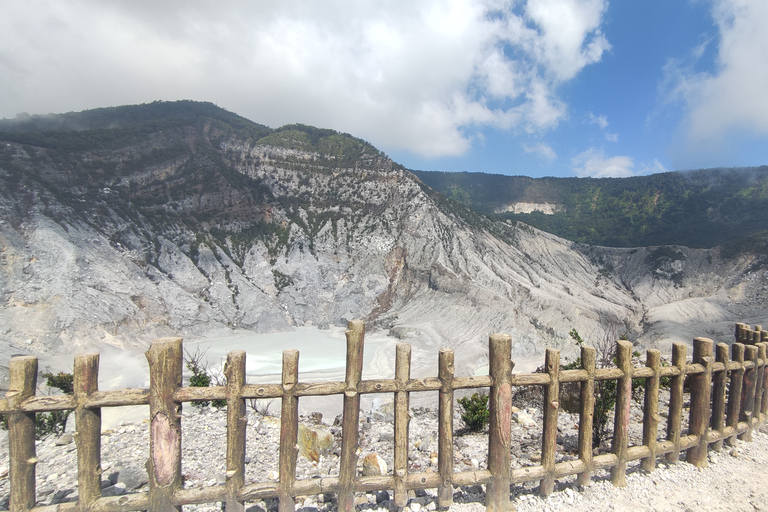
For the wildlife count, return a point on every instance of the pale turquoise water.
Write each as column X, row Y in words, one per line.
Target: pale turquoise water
column 321, row 352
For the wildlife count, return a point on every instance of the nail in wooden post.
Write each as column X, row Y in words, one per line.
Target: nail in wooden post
column 718, row 393
column 289, row 430
column 445, row 428
column 88, row 435
column 351, row 419
column 237, row 421
column 621, row 418
column 651, row 408
column 701, row 394
column 748, row 392
column 549, row 434
column 402, row 419
column 21, row 433
column 164, row 465
column 675, row 417
column 586, row 413
column 500, row 433
column 734, row 391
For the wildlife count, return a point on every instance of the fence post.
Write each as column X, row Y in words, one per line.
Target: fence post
column 701, row 394
column 549, row 432
column 402, row 419
column 748, row 392
column 351, row 420
column 88, row 435
column 734, row 391
column 289, row 429
column 761, row 354
column 500, row 433
column 651, row 408
column 621, row 418
column 739, row 333
column 718, row 394
column 587, row 413
column 237, row 421
column 21, row 433
column 675, row 418
column 764, row 401
column 164, row 465
column 445, row 428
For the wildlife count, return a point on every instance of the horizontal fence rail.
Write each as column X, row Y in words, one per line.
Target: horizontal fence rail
column 728, row 400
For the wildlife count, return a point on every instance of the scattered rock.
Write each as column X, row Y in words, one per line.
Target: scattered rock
column 314, row 442
column 115, row 490
column 64, row 440
column 374, row 465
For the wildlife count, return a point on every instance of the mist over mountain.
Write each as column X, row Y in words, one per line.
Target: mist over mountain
column 124, row 224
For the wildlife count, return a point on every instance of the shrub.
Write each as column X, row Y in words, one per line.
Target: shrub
column 475, row 413
column 54, row 422
column 201, row 376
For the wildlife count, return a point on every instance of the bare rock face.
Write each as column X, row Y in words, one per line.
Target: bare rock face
column 120, row 246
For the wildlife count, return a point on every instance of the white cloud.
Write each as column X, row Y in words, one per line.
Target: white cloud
column 594, row 164
column 732, row 98
column 421, row 76
column 653, row 167
column 543, row 150
column 600, row 120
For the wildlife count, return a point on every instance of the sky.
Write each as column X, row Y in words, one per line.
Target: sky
column 588, row 88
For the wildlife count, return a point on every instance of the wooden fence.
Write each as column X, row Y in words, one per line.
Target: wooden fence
column 728, row 399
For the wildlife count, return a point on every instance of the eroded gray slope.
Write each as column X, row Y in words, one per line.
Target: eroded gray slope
column 245, row 234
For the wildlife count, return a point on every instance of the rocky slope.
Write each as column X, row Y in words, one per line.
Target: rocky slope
column 186, row 226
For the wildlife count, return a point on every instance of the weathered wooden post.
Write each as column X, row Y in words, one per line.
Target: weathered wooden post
column 748, row 392
column 718, row 393
column 764, row 401
column 734, row 392
column 701, row 391
column 587, row 413
column 164, row 465
column 760, row 375
column 237, row 421
column 651, row 408
column 675, row 417
column 622, row 414
column 500, row 433
column 289, row 430
column 445, row 428
column 739, row 334
column 351, row 419
column 402, row 419
column 21, row 433
column 88, row 435
column 549, row 433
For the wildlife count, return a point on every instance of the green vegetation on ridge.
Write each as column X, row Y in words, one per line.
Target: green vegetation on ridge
column 695, row 208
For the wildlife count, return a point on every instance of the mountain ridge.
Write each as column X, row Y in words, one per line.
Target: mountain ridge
column 192, row 228
column 701, row 208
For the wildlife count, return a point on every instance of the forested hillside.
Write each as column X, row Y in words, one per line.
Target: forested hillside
column 701, row 208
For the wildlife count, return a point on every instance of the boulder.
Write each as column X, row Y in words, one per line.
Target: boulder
column 374, row 465
column 314, row 442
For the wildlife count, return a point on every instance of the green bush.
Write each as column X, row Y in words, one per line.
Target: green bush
column 201, row 377
column 475, row 413
column 54, row 422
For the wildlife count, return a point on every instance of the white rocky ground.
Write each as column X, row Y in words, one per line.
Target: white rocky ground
column 733, row 481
